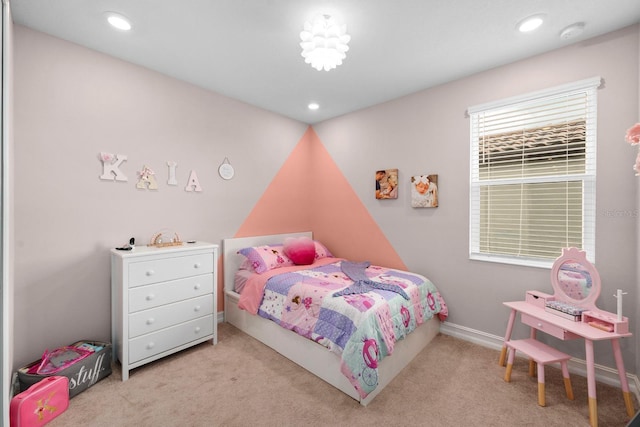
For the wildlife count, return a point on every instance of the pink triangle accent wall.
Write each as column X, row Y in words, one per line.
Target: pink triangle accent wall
column 310, row 192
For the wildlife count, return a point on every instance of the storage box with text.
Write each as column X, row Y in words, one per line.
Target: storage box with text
column 82, row 374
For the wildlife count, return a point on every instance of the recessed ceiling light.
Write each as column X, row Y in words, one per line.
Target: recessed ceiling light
column 313, row 106
column 530, row 23
column 118, row 21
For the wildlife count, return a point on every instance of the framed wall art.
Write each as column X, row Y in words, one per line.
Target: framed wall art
column 387, row 184
column 424, row 191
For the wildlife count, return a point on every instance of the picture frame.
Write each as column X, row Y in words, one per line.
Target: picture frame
column 386, row 184
column 424, row 191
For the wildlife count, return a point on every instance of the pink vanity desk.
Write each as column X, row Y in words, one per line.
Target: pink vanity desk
column 576, row 282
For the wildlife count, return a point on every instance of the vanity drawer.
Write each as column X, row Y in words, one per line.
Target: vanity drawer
column 149, row 345
column 160, row 270
column 145, row 297
column 147, row 321
column 547, row 328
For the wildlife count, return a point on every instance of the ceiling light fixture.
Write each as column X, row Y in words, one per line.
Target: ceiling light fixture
column 324, row 42
column 530, row 23
column 313, row 106
column 118, row 21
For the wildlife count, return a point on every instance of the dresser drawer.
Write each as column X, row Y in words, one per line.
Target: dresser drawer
column 160, row 270
column 145, row 297
column 547, row 327
column 166, row 339
column 147, row 321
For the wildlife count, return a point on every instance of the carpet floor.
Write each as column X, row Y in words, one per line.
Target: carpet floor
column 242, row 382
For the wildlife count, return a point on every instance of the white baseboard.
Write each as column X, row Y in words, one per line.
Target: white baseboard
column 604, row 374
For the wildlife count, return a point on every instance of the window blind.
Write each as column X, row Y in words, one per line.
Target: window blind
column 533, row 175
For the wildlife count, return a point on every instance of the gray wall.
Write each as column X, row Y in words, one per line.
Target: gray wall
column 72, row 103
column 428, row 132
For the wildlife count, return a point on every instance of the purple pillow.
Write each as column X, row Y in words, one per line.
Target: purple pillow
column 266, row 257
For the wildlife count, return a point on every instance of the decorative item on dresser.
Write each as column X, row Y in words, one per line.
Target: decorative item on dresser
column 163, row 300
column 570, row 313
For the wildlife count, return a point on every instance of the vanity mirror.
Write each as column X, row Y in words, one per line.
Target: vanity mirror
column 576, row 286
column 575, row 280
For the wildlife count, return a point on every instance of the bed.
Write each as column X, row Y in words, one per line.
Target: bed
column 316, row 358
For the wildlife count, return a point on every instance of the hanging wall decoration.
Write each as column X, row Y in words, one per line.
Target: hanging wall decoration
column 110, row 167
column 226, row 170
column 193, row 184
column 387, row 184
column 147, row 179
column 424, row 191
column 172, row 173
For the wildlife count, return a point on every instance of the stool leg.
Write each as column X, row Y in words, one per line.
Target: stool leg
column 532, row 368
column 567, row 380
column 507, row 374
column 541, row 401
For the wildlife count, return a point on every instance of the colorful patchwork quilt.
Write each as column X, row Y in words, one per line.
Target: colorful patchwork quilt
column 359, row 320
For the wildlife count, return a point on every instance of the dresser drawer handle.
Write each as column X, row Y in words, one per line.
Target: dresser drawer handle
column 150, row 272
column 197, row 330
column 196, row 308
column 197, row 265
column 151, row 321
column 197, row 286
column 150, row 297
column 150, row 345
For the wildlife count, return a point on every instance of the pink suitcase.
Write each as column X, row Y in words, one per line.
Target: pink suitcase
column 40, row 403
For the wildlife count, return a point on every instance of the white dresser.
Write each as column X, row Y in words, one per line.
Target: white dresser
column 163, row 300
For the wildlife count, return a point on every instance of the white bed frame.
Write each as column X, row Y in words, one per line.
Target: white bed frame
column 311, row 356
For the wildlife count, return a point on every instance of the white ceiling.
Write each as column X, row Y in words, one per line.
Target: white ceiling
column 249, row 49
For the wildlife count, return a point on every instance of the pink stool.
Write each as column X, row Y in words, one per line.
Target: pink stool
column 541, row 354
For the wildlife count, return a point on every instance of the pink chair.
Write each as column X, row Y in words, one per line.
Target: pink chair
column 541, row 354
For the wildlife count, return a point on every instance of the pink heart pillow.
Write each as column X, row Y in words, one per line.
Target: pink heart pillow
column 302, row 250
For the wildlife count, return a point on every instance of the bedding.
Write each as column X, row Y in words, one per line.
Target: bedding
column 269, row 257
column 240, row 280
column 360, row 320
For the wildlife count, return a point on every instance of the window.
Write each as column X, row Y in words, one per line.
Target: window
column 533, row 175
